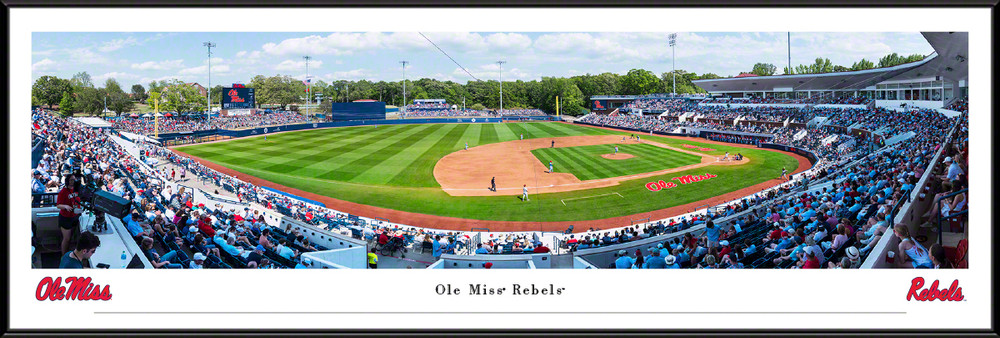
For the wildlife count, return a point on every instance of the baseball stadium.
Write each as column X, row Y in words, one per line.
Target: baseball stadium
column 832, row 168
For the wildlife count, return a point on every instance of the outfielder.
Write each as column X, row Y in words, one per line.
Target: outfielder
column 522, row 137
column 616, row 150
column 466, row 145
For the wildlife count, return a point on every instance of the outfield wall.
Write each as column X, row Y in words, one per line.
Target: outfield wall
column 320, row 125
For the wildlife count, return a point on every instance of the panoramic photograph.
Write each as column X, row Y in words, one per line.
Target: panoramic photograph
column 499, row 150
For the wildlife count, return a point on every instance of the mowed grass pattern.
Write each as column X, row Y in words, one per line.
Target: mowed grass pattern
column 586, row 163
column 334, row 162
column 395, row 155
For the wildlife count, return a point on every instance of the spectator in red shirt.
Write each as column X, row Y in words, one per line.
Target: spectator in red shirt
column 68, row 203
column 811, row 261
column 541, row 249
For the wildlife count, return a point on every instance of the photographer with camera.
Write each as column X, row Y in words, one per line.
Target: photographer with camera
column 68, row 203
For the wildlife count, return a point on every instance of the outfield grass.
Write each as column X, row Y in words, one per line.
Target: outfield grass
column 392, row 167
column 586, row 163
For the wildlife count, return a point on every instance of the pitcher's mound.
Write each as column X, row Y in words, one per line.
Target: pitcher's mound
column 619, row 156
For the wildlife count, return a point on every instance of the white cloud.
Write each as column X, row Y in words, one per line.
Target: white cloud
column 293, row 65
column 159, row 65
column 85, row 56
column 99, row 79
column 491, row 71
column 146, row 80
column 199, row 70
column 43, row 65
column 333, row 44
column 354, row 74
column 117, row 44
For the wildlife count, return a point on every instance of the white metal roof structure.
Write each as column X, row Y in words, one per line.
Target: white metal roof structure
column 949, row 60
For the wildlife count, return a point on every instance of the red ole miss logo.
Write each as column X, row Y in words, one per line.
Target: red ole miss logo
column 952, row 293
column 235, row 96
column 660, row 185
column 79, row 288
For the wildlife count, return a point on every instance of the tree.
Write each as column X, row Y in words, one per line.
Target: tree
column 895, row 59
column 118, row 100
column 639, row 82
column 763, row 69
column 154, row 97
column 839, row 68
column 862, row 65
column 81, row 80
column 89, row 100
column 477, row 106
column 179, row 97
column 138, row 93
column 216, row 93
column 50, row 89
column 66, row 104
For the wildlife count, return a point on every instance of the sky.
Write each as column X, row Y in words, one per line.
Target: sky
column 141, row 58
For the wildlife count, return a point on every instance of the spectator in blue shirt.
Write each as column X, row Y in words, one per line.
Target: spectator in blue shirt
column 86, row 246
column 712, row 234
column 655, row 261
column 481, row 250
column 436, row 247
column 623, row 261
column 306, row 263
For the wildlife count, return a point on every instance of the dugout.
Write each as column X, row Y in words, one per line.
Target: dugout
column 351, row 111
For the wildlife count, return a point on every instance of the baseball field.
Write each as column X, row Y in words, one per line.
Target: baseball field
column 426, row 169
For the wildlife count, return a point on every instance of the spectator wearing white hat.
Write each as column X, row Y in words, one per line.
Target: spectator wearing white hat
column 671, row 262
column 198, row 261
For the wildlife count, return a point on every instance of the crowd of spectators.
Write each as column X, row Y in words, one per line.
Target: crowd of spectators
column 178, row 124
column 674, row 107
column 427, row 106
column 960, row 105
column 644, row 123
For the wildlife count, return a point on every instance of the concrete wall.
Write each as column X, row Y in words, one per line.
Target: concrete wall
column 527, row 261
column 346, row 258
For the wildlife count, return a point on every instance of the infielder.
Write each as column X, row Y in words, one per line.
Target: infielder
column 524, row 194
column 466, row 145
column 522, row 137
column 616, row 150
column 550, row 167
column 493, row 184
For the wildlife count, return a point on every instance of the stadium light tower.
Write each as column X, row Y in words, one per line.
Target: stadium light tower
column 209, row 44
column 673, row 61
column 501, row 62
column 307, row 58
column 404, row 87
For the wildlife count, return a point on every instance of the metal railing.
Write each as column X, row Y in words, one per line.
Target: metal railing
column 950, row 215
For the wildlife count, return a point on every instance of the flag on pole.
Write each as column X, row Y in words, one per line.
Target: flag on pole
column 307, row 81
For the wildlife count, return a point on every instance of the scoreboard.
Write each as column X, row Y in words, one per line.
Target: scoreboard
column 238, row 98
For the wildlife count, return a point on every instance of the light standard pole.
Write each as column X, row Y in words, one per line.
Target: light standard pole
column 209, row 44
column 673, row 61
column 501, row 62
column 308, row 82
column 403, row 108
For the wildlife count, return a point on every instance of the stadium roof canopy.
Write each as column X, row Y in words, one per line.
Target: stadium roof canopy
column 94, row 122
column 949, row 60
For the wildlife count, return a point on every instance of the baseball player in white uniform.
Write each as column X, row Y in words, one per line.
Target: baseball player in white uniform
column 524, row 194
